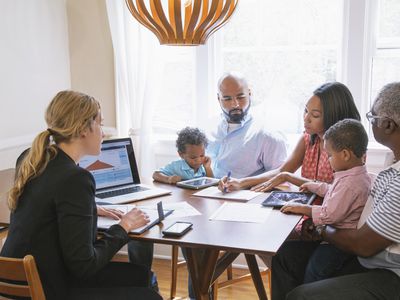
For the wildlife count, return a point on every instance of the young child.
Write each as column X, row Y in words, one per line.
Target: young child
column 346, row 144
column 191, row 144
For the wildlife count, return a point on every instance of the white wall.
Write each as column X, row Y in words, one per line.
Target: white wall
column 34, row 60
column 47, row 46
column 91, row 54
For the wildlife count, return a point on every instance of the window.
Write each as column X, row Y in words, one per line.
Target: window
column 286, row 49
column 175, row 106
column 386, row 59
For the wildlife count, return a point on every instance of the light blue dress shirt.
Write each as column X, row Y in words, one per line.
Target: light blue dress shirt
column 182, row 169
column 245, row 151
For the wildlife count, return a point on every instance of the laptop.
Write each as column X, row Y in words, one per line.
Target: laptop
column 116, row 174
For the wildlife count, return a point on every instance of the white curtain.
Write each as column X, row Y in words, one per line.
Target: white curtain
column 137, row 69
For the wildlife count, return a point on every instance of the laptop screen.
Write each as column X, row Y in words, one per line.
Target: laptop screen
column 115, row 166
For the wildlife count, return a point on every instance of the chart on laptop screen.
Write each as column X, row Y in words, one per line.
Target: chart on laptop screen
column 111, row 167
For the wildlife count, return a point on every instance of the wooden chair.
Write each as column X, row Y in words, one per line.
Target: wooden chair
column 24, row 272
column 175, row 264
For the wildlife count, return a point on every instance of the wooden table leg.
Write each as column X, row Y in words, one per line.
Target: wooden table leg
column 201, row 265
column 255, row 274
column 223, row 262
column 174, row 272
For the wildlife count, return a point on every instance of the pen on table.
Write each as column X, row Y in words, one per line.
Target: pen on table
column 228, row 177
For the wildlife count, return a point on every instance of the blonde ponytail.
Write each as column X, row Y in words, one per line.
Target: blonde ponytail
column 32, row 165
column 68, row 114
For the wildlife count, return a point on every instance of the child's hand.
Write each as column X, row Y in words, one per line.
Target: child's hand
column 297, row 208
column 207, row 162
column 174, row 179
column 318, row 188
column 293, row 208
column 304, row 188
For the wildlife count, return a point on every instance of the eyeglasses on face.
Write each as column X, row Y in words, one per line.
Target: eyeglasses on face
column 375, row 119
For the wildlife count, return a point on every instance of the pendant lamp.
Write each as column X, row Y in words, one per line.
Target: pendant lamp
column 182, row 22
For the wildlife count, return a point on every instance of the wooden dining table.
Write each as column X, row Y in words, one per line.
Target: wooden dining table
column 209, row 237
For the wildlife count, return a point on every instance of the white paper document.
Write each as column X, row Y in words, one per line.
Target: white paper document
column 151, row 211
column 104, row 223
column 241, row 212
column 214, row 192
column 180, row 209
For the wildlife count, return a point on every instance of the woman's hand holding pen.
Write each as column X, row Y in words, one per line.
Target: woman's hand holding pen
column 134, row 219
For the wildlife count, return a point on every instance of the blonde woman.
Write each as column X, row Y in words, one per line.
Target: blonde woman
column 53, row 212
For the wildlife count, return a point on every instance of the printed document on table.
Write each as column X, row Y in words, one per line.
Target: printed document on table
column 104, row 223
column 214, row 192
column 241, row 212
column 180, row 209
column 151, row 211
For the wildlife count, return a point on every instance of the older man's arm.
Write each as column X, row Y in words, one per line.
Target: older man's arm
column 363, row 242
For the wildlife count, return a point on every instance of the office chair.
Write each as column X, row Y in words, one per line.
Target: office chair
column 24, row 272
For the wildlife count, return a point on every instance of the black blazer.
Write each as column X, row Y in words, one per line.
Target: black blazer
column 56, row 222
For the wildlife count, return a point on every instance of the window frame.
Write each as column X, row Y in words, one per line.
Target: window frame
column 359, row 36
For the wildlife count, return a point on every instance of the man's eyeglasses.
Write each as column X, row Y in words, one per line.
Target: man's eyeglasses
column 374, row 119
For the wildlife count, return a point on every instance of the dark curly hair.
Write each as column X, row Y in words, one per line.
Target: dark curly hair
column 348, row 134
column 190, row 136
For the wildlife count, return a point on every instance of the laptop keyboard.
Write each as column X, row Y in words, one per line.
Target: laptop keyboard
column 129, row 190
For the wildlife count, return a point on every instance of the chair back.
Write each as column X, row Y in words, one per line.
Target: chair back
column 20, row 277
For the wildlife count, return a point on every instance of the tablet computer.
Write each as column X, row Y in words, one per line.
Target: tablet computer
column 280, row 198
column 198, row 183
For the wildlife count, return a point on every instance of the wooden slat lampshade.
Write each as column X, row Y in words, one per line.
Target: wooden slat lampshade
column 182, row 22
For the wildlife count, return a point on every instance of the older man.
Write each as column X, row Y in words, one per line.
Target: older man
column 375, row 273
column 241, row 145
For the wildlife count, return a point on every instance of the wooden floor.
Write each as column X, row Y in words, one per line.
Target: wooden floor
column 243, row 290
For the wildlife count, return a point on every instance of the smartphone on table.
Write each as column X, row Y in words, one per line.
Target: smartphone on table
column 177, row 229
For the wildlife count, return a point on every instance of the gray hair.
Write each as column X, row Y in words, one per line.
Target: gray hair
column 387, row 103
column 238, row 77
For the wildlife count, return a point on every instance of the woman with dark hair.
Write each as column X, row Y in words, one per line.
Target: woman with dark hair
column 330, row 103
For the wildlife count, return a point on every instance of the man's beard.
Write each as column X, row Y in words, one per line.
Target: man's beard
column 236, row 115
